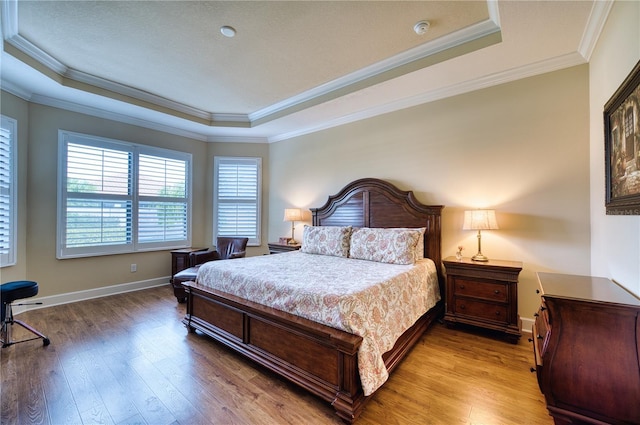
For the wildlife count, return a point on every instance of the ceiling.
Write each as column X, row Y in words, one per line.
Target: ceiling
column 293, row 67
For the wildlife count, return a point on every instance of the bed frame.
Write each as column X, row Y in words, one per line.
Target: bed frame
column 319, row 358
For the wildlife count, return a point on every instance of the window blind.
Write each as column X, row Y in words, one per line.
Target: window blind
column 237, row 197
column 119, row 197
column 8, row 192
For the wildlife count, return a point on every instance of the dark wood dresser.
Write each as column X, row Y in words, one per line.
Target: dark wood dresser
column 586, row 341
column 483, row 294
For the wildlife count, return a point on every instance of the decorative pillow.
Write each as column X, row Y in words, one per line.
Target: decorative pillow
column 420, row 245
column 395, row 246
column 326, row 240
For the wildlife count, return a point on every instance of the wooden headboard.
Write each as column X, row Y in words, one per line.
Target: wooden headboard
column 377, row 203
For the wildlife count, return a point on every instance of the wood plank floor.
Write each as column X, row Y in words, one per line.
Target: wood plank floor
column 127, row 359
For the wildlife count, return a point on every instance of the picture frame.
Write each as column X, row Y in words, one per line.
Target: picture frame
column 622, row 147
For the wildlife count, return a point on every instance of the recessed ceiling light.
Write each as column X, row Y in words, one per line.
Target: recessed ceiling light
column 228, row 31
column 421, row 27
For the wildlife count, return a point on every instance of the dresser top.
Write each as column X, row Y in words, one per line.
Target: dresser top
column 586, row 288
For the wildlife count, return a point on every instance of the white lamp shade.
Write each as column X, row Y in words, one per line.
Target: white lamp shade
column 480, row 220
column 292, row 214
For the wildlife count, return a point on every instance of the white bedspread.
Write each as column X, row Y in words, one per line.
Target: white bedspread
column 376, row 301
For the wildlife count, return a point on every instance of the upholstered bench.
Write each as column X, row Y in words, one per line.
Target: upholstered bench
column 185, row 275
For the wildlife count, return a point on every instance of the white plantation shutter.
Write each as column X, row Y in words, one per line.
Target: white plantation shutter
column 163, row 214
column 237, row 194
column 119, row 197
column 99, row 199
column 8, row 192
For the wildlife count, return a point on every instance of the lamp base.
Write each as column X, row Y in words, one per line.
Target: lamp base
column 479, row 257
column 292, row 242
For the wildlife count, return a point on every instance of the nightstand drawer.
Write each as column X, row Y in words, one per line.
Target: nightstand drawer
column 481, row 310
column 485, row 290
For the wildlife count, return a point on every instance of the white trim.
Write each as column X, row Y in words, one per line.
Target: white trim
column 104, row 291
column 526, row 71
column 597, row 18
column 438, row 45
column 11, row 258
column 527, row 324
column 113, row 116
column 253, row 160
column 135, row 150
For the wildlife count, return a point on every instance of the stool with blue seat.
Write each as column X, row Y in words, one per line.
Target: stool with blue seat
column 10, row 292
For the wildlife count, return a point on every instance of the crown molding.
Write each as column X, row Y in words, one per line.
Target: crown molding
column 595, row 24
column 237, row 139
column 441, row 44
column 514, row 74
column 9, row 87
column 114, row 116
column 97, row 85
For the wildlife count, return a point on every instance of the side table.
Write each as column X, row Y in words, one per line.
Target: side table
column 483, row 294
column 278, row 248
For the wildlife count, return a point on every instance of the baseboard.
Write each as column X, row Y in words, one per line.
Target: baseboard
column 72, row 297
column 527, row 324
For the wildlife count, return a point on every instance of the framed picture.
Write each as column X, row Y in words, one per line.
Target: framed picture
column 622, row 147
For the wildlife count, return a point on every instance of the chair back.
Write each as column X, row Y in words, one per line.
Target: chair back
column 231, row 247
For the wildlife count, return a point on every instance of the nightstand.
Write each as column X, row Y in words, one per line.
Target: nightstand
column 483, row 294
column 278, row 248
column 179, row 262
column 180, row 259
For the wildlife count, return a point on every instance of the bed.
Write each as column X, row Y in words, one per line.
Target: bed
column 322, row 359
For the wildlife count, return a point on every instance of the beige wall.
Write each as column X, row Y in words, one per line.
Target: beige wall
column 18, row 109
column 521, row 148
column 38, row 127
column 615, row 246
column 64, row 276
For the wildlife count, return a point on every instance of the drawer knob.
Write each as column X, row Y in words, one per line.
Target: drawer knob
column 497, row 291
column 461, row 286
column 497, row 312
column 532, row 369
column 536, row 315
column 530, row 340
column 461, row 306
column 537, row 291
column 539, row 336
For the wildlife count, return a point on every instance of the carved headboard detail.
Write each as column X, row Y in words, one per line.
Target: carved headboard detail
column 373, row 202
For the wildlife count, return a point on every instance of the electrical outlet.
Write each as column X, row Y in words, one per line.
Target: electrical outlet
column 134, row 268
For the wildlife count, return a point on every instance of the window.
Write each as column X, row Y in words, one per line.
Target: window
column 237, row 188
column 8, row 191
column 116, row 197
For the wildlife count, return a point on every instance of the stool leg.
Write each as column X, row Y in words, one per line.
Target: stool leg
column 8, row 324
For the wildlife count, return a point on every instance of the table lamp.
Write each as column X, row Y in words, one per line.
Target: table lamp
column 480, row 220
column 292, row 215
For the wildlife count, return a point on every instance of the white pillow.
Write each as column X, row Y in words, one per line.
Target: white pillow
column 395, row 246
column 326, row 240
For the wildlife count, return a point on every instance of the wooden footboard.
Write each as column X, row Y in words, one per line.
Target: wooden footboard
column 319, row 358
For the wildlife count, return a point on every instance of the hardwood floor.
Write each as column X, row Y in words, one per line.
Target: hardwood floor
column 127, row 359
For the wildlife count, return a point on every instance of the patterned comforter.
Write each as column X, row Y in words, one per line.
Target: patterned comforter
column 376, row 301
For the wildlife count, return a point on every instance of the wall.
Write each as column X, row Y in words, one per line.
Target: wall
column 521, row 148
column 18, row 109
column 84, row 274
column 615, row 245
